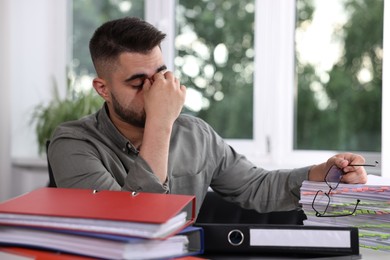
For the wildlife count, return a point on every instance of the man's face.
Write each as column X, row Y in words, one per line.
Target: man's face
column 125, row 85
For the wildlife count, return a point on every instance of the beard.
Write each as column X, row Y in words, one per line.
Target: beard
column 129, row 116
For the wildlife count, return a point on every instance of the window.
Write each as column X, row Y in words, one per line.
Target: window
column 86, row 17
column 339, row 53
column 215, row 60
column 237, row 60
column 276, row 80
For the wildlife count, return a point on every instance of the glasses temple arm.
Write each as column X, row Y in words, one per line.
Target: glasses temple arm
column 367, row 165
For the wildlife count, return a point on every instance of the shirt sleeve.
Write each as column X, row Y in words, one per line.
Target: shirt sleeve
column 252, row 187
column 142, row 178
column 79, row 164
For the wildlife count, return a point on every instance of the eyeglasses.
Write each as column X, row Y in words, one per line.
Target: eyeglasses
column 332, row 179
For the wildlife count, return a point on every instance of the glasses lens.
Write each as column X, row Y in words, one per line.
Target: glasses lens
column 333, row 177
column 321, row 202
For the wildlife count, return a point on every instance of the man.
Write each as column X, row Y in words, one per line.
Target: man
column 139, row 141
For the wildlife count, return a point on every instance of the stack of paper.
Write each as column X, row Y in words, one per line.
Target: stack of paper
column 372, row 215
column 105, row 224
column 109, row 247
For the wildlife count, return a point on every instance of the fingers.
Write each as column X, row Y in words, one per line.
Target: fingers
column 356, row 177
column 345, row 159
column 160, row 75
column 164, row 74
column 167, row 78
column 147, row 84
column 165, row 97
column 353, row 174
column 351, row 164
column 358, row 174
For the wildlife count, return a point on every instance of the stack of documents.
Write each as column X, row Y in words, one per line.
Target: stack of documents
column 372, row 215
column 105, row 224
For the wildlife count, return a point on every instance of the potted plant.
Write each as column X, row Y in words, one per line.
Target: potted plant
column 74, row 105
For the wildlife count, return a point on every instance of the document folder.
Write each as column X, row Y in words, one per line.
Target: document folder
column 187, row 242
column 146, row 215
column 20, row 253
column 279, row 239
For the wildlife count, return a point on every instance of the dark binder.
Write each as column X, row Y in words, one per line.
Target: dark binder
column 279, row 239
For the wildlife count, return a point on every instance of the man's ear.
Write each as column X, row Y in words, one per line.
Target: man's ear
column 101, row 88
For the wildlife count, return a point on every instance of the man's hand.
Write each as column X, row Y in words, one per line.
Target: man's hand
column 164, row 99
column 353, row 174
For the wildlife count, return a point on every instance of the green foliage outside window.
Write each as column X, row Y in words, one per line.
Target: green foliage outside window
column 346, row 117
column 351, row 117
column 80, row 99
column 224, row 79
column 73, row 106
column 87, row 16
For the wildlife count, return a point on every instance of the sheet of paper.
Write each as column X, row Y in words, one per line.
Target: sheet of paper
column 377, row 180
column 300, row 238
column 368, row 203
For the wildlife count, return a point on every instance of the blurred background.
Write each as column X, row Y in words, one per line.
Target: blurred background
column 286, row 83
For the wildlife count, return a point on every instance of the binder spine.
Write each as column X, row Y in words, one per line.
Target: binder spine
column 236, row 238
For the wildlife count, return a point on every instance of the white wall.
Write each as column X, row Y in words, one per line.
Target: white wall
column 38, row 48
column 33, row 51
column 5, row 158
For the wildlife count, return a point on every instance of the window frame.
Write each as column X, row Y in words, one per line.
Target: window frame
column 273, row 133
column 281, row 57
column 271, row 146
column 161, row 13
column 385, row 152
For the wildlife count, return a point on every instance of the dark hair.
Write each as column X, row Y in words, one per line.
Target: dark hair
column 129, row 34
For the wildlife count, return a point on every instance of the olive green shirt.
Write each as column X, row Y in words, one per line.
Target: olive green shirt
column 91, row 153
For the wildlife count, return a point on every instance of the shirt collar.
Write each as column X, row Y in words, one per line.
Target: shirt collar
column 105, row 126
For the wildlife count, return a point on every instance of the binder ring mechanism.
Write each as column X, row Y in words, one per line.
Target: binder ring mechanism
column 134, row 193
column 235, row 237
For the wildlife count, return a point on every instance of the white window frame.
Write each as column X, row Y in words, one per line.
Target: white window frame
column 161, row 13
column 38, row 58
column 282, row 79
column 271, row 146
column 274, row 90
column 276, row 23
column 385, row 161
